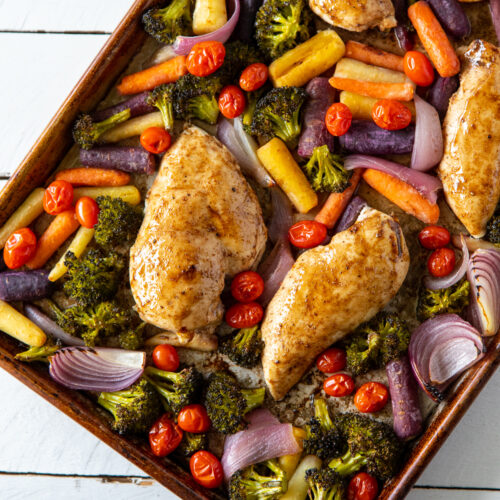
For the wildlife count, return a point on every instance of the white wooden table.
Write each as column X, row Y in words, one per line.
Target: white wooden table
column 45, row 46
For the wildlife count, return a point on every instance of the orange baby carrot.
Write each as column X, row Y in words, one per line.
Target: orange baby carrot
column 379, row 90
column 89, row 176
column 372, row 55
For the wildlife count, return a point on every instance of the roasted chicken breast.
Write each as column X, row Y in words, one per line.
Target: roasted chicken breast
column 329, row 291
column 470, row 168
column 203, row 222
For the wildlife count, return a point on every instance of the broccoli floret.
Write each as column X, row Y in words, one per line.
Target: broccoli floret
column 443, row 301
column 195, row 97
column 281, row 25
column 322, row 436
column 134, row 409
column 191, row 443
column 247, row 115
column 493, row 229
column 277, row 114
column 227, row 403
column 86, row 132
column 326, row 171
column 177, row 389
column 245, row 347
column 264, row 481
column 132, row 338
column 162, row 97
column 166, row 24
column 325, row 484
column 371, row 444
column 118, row 222
column 42, row 353
column 238, row 56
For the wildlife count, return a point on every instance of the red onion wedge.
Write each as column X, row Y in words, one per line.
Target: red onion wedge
column 495, row 16
column 427, row 185
column 473, row 244
column 455, row 276
column 282, row 217
column 483, row 274
column 428, row 146
column 437, row 357
column 183, row 44
column 97, row 369
column 350, row 214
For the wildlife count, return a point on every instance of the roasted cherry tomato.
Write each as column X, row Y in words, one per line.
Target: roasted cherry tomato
column 206, row 469
column 19, row 248
column 156, row 140
column 58, row 197
column 205, row 58
column 418, row 68
column 432, row 237
column 231, row 101
column 339, row 385
column 165, row 357
column 247, row 286
column 87, row 211
column 332, row 360
column 307, row 234
column 164, row 436
column 253, row 77
column 244, row 315
column 371, row 397
column 362, row 487
column 391, row 115
column 338, row 119
column 193, row 418
column 441, row 262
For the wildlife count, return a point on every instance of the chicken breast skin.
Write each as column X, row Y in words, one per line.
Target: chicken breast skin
column 329, row 291
column 203, row 222
column 356, row 15
column 470, row 168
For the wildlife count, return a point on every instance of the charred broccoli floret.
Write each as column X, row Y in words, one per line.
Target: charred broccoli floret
column 86, row 132
column 132, row 338
column 42, row 353
column 371, row 444
column 191, row 443
column 247, row 115
column 281, row 25
column 277, row 114
column 162, row 97
column 134, row 409
column 93, row 278
column 166, row 24
column 238, row 56
column 264, row 481
column 245, row 347
column 326, row 171
column 443, row 301
column 195, row 97
column 227, row 403
column 325, row 484
column 177, row 389
column 493, row 229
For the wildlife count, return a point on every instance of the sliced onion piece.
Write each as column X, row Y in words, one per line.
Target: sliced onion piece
column 473, row 244
column 183, row 44
column 428, row 146
column 427, row 185
column 164, row 53
column 282, row 217
column 495, row 16
column 97, row 369
column 350, row 214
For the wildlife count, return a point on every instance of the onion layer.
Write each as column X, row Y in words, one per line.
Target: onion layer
column 473, row 244
column 282, row 217
column 350, row 214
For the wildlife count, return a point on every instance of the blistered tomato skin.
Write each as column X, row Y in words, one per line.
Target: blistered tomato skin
column 165, row 357
column 434, row 237
column 253, row 77
column 339, row 385
column 307, row 234
column 391, row 115
column 441, row 262
column 244, row 315
column 362, row 487
column 194, row 418
column 58, row 197
column 205, row 58
column 155, row 140
column 19, row 248
column 338, row 119
column 206, row 469
column 332, row 360
column 231, row 101
column 247, row 286
column 165, row 436
column 371, row 397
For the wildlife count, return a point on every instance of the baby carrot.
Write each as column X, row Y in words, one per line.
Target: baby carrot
column 89, row 176
column 434, row 39
column 403, row 195
column 379, row 90
column 372, row 55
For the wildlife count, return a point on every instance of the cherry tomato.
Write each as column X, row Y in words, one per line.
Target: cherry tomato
column 19, row 248
column 87, row 211
column 58, row 197
column 371, row 397
column 205, row 58
column 339, row 385
column 231, row 101
column 164, row 436
column 432, row 237
column 390, row 114
column 206, row 469
column 418, row 68
column 338, row 119
column 362, row 487
column 332, row 360
column 247, row 286
column 441, row 262
column 307, row 234
column 253, row 77
column 244, row 315
column 193, row 418
column 165, row 357
column 156, row 140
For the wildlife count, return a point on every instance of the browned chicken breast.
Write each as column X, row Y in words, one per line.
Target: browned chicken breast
column 470, row 168
column 329, row 291
column 203, row 222
column 356, row 15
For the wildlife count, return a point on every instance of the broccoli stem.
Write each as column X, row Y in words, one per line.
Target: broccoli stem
column 253, row 397
column 204, row 108
column 322, row 414
column 103, row 126
column 348, row 464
